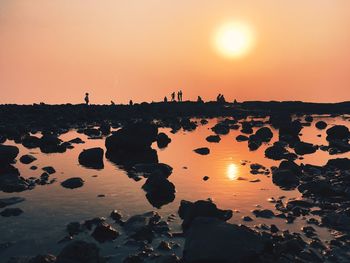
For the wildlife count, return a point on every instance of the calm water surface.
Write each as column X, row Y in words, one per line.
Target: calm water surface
column 49, row 208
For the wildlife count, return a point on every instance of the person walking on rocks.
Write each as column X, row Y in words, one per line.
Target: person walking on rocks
column 87, row 98
column 173, row 96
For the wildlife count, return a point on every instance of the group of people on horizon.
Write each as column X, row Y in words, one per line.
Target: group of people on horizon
column 220, row 98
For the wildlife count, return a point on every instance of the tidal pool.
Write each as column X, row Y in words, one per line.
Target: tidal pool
column 49, row 208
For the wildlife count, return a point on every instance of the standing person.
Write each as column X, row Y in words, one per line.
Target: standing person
column 87, row 98
column 173, row 96
column 180, row 92
column 178, row 96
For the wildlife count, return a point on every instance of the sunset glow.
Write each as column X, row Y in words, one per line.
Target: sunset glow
column 234, row 40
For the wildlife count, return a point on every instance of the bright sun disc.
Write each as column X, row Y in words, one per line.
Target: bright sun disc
column 234, row 40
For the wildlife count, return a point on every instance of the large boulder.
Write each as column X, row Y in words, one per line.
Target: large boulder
column 264, row 134
column 339, row 163
column 212, row 240
column 132, row 137
column 30, row 141
column 7, row 154
column 188, row 211
column 338, row 132
column 92, row 158
column 11, row 181
column 51, row 144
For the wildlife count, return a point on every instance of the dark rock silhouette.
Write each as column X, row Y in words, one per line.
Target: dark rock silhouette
column 104, row 232
column 159, row 190
column 202, row 151
column 27, row 159
column 92, row 158
column 10, row 201
column 212, row 240
column 163, row 140
column 11, row 212
column 11, row 181
column 287, row 175
column 302, row 148
column 74, row 182
column 213, row 138
column 338, row 132
column 8, row 154
column 189, row 211
column 80, row 251
column 321, row 125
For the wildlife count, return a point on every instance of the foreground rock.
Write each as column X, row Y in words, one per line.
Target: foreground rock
column 188, row 211
column 104, row 232
column 72, row 183
column 287, row 175
column 92, row 158
column 212, row 240
column 8, row 154
column 11, row 181
column 80, row 252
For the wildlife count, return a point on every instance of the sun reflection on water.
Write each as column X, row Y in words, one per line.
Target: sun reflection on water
column 232, row 171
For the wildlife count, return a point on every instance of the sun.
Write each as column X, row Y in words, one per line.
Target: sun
column 234, row 39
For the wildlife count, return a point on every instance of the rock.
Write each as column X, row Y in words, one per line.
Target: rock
column 264, row 134
column 167, row 259
column 76, row 141
column 289, row 132
column 337, row 220
column 276, row 152
column 116, row 215
column 339, row 132
column 92, row 158
column 163, row 140
column 27, row 159
column 51, row 144
column 33, row 167
column 302, row 148
column 11, row 181
column 104, row 232
column 105, row 128
column 241, row 138
column 73, row 182
column 163, row 245
column 10, row 201
column 92, row 132
column 30, row 142
column 246, row 128
column 159, row 190
column 213, row 138
column 339, row 163
column 321, row 125
column 287, row 175
column 8, row 153
column 49, row 169
column 264, row 213
column 205, row 178
column 309, row 118
column 11, row 212
column 79, row 252
column 247, row 218
column 212, row 240
column 221, row 129
column 188, row 211
column 132, row 137
column 202, row 151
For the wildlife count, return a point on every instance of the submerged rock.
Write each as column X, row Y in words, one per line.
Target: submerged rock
column 212, row 240
column 11, row 212
column 202, row 151
column 188, row 211
column 10, row 201
column 92, row 158
column 74, row 182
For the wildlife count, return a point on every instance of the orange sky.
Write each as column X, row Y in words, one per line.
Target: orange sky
column 53, row 51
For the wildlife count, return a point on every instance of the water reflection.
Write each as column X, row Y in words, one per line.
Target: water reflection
column 232, row 171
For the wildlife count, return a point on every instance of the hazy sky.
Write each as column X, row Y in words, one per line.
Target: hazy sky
column 56, row 50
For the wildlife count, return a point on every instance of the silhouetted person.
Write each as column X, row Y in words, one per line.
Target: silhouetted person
column 173, row 96
column 235, row 101
column 180, row 95
column 131, row 103
column 112, row 102
column 199, row 99
column 87, row 98
column 165, row 99
column 218, row 98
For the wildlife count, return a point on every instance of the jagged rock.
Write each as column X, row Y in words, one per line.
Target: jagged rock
column 104, row 232
column 163, row 140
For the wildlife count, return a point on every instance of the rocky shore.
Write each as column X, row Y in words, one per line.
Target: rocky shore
column 129, row 134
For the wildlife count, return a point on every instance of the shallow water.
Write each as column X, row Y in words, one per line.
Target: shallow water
column 49, row 208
